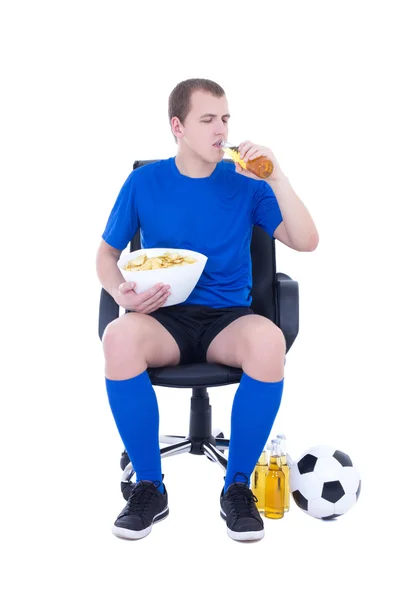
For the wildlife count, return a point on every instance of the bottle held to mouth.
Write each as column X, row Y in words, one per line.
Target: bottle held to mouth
column 261, row 166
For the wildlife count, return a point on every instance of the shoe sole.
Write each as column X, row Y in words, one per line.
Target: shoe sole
column 243, row 536
column 131, row 534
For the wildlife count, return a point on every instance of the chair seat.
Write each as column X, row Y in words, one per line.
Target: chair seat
column 194, row 375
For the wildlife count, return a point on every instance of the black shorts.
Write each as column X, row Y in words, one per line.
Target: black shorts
column 194, row 326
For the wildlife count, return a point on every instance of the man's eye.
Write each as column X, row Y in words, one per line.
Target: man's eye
column 209, row 121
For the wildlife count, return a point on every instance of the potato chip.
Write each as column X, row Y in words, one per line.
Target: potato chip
column 165, row 261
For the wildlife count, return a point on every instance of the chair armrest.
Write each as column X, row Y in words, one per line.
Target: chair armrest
column 109, row 310
column 287, row 307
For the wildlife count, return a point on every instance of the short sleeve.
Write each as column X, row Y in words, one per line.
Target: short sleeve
column 123, row 221
column 266, row 211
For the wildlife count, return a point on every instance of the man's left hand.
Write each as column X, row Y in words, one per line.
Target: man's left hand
column 249, row 151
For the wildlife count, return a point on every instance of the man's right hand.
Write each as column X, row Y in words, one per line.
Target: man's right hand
column 146, row 302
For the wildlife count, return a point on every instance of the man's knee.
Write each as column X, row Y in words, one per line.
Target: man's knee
column 265, row 341
column 124, row 336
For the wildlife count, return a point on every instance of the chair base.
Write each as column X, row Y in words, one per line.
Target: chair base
column 199, row 441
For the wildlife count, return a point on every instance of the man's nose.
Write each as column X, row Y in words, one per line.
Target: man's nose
column 220, row 128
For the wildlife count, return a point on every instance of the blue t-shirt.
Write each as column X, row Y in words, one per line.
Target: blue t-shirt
column 213, row 215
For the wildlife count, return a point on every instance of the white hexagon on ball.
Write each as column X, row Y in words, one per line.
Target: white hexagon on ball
column 320, row 508
column 308, row 484
column 328, row 469
column 350, row 479
column 345, row 503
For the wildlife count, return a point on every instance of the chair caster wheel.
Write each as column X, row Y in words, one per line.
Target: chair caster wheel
column 124, row 461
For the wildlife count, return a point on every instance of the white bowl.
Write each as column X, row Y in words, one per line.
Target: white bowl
column 181, row 279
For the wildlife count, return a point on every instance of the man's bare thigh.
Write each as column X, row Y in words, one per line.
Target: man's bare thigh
column 159, row 345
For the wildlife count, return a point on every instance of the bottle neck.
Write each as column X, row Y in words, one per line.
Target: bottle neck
column 263, row 458
column 276, row 453
column 282, row 443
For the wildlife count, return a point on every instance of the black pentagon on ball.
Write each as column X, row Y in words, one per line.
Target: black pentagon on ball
column 343, row 458
column 300, row 500
column 332, row 491
column 330, row 517
column 307, row 464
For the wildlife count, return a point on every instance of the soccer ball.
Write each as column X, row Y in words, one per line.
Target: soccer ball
column 324, row 482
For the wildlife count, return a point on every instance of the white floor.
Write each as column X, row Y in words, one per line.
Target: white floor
column 63, row 500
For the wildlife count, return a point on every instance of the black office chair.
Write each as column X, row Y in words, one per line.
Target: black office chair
column 274, row 295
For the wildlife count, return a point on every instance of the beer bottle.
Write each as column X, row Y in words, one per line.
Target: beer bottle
column 260, row 166
column 275, row 484
column 285, row 468
column 257, row 480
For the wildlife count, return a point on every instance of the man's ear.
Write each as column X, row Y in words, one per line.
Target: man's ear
column 177, row 127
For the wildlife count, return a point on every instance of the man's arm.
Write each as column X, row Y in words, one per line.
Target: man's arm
column 106, row 266
column 297, row 229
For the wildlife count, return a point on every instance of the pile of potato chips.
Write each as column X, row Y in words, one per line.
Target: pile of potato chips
column 166, row 260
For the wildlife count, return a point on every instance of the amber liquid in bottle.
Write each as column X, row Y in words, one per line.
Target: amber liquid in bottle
column 274, row 489
column 257, row 481
column 261, row 166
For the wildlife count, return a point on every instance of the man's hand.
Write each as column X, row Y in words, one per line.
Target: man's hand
column 249, row 151
column 146, row 302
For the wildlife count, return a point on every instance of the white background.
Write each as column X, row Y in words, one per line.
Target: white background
column 84, row 93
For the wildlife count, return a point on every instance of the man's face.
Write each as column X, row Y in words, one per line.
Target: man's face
column 205, row 124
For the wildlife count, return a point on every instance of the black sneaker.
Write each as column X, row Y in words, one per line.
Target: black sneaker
column 239, row 509
column 145, row 506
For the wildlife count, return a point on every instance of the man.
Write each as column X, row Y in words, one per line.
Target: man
column 197, row 201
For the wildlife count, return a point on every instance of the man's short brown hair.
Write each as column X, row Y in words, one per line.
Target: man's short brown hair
column 179, row 98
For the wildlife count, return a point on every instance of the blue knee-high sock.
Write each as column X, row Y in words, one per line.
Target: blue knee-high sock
column 255, row 406
column 133, row 403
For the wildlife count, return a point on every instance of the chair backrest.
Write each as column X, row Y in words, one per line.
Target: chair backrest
column 264, row 301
